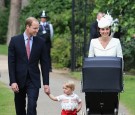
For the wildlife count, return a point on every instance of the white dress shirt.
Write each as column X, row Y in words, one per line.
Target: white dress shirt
column 26, row 40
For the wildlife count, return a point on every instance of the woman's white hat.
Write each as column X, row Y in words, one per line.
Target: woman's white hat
column 105, row 21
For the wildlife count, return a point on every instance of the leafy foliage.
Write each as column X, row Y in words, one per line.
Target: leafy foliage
column 60, row 14
column 3, row 24
column 129, row 53
column 61, row 51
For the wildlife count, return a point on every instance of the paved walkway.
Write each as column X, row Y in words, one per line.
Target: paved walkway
column 45, row 105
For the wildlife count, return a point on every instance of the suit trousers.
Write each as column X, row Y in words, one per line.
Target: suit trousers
column 32, row 94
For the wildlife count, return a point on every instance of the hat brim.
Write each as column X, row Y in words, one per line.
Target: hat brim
column 43, row 16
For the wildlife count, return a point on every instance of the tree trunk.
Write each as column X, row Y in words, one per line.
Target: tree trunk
column 2, row 4
column 13, row 24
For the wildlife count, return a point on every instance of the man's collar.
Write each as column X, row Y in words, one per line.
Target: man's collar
column 43, row 23
column 26, row 37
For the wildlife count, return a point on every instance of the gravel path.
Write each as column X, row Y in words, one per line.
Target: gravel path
column 57, row 77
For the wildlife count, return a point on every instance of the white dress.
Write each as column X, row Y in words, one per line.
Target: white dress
column 113, row 48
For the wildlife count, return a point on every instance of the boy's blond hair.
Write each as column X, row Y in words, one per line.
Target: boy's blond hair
column 70, row 84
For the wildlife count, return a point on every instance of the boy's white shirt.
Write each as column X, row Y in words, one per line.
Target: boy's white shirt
column 69, row 102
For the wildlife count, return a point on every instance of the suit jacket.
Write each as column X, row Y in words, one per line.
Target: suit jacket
column 94, row 30
column 19, row 65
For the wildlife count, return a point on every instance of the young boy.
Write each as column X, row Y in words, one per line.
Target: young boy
column 70, row 102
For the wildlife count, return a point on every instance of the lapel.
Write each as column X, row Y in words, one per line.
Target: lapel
column 110, row 45
column 23, row 46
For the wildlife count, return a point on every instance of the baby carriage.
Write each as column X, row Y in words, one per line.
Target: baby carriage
column 102, row 82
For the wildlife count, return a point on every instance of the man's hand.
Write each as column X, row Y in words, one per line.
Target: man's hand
column 15, row 87
column 47, row 89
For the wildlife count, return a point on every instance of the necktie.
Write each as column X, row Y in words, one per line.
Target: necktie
column 28, row 48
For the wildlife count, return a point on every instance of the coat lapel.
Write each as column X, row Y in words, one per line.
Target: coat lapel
column 23, row 46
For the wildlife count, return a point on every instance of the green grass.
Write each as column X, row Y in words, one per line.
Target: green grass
column 76, row 75
column 6, row 101
column 3, row 49
column 128, row 96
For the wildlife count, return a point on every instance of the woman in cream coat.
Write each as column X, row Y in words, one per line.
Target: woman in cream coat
column 105, row 46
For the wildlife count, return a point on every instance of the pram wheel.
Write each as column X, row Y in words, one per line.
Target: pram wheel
column 87, row 111
column 115, row 111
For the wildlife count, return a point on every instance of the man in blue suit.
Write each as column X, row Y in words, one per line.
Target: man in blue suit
column 94, row 28
column 25, row 51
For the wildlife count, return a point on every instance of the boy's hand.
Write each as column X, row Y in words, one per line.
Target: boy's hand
column 47, row 89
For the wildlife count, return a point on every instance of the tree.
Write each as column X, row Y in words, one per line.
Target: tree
column 4, row 13
column 61, row 18
column 2, row 4
column 13, row 24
